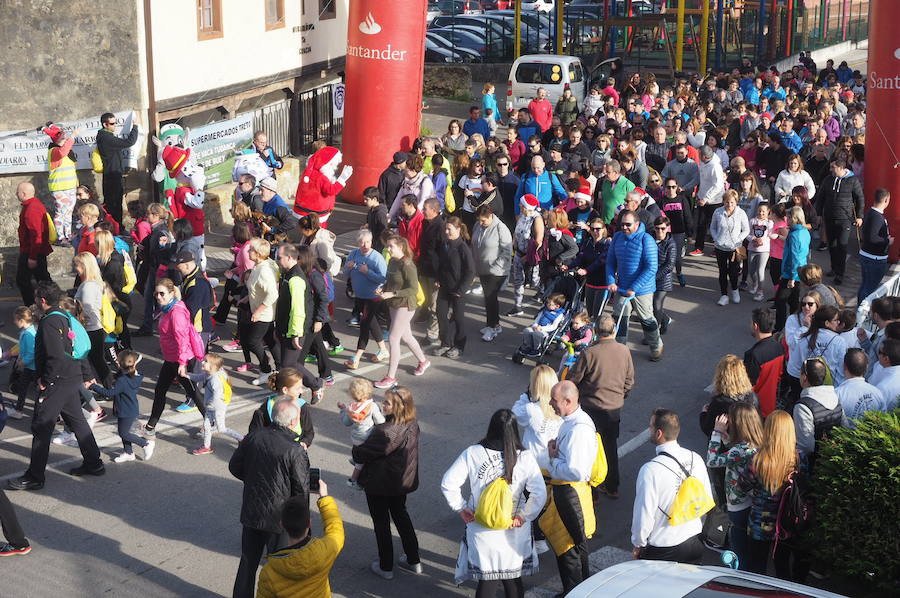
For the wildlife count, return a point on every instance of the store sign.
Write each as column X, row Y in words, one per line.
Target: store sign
column 213, row 146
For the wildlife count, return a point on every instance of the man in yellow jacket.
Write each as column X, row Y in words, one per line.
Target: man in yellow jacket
column 301, row 569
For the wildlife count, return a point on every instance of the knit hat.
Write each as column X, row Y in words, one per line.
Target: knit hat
column 529, row 202
column 766, row 115
column 53, row 132
column 174, row 158
column 269, row 183
column 584, row 192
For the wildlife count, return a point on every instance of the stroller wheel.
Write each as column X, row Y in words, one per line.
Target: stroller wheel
column 518, row 358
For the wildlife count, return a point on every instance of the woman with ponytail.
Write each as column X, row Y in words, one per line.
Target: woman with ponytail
column 823, row 339
column 287, row 382
column 495, row 557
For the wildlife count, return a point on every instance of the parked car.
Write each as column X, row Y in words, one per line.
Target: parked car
column 663, row 579
column 434, row 42
column 549, row 71
column 433, row 10
column 460, row 7
column 497, row 33
column 459, row 38
column 440, row 54
column 493, row 46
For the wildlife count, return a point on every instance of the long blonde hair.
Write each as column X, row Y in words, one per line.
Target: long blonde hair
column 731, row 378
column 542, row 380
column 105, row 245
column 90, row 271
column 777, row 457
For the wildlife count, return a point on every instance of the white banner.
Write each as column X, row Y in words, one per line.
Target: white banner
column 26, row 151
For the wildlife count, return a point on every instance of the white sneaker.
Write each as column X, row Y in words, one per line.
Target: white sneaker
column 485, row 330
column 753, row 290
column 148, row 450
column 261, row 379
column 723, row 300
column 735, row 296
column 63, row 438
column 404, row 563
column 759, row 296
column 16, row 414
column 497, row 330
column 124, row 458
column 476, row 290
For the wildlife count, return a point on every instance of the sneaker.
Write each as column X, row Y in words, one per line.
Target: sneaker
column 656, row 355
column 232, row 347
column 411, row 567
column 353, row 321
column 516, row 311
column 453, row 353
column 186, row 407
column 261, row 379
column 822, row 246
column 440, row 350
column 759, row 296
column 148, row 450
column 317, row 395
column 24, row 483
column 124, row 458
column 753, row 290
column 735, row 296
column 485, row 330
column 328, row 380
column 723, row 300
column 336, row 350
column 428, row 341
column 696, row 252
column 354, row 484
column 744, row 286
column 82, row 470
column 244, row 367
column 10, row 550
column 377, row 570
column 681, row 280
column 203, row 450
column 63, row 438
column 381, row 356
column 148, row 431
column 16, row 414
column 386, row 382
column 351, row 364
column 424, row 365
column 310, row 358
column 476, row 290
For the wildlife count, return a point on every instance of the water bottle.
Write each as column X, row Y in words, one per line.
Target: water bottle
column 729, row 559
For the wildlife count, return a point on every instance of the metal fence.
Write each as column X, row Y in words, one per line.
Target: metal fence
column 275, row 119
column 314, row 111
column 890, row 288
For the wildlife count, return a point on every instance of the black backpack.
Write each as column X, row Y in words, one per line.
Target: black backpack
column 794, row 509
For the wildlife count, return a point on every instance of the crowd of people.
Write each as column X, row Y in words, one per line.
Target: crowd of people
column 766, row 166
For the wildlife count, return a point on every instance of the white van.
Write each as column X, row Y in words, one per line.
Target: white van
column 554, row 73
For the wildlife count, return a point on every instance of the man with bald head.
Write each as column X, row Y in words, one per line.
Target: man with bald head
column 34, row 241
column 569, row 519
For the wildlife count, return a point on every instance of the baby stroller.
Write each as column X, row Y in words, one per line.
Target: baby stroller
column 573, row 290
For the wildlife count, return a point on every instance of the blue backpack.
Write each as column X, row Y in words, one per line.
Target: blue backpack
column 329, row 286
column 81, row 342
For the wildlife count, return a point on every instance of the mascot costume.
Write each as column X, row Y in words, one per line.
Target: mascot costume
column 173, row 135
column 318, row 185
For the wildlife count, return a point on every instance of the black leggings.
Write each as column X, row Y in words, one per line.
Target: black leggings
column 256, row 337
column 787, row 299
column 225, row 303
column 97, row 358
column 452, row 327
column 729, row 270
column 168, row 374
column 774, row 270
column 512, row 588
column 369, row 325
column 491, row 283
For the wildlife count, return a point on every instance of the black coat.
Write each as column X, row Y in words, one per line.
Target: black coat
column 665, row 263
column 389, row 184
column 111, row 146
column 53, row 350
column 842, row 198
column 430, row 241
column 456, row 266
column 391, row 458
column 719, row 405
column 273, row 467
column 262, row 418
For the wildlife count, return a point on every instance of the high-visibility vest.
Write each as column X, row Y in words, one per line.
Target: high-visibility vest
column 64, row 177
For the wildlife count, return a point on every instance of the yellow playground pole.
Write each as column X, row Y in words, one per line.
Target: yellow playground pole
column 679, row 36
column 704, row 37
column 560, row 22
column 518, row 37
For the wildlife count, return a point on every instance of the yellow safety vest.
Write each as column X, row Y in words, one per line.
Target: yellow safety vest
column 62, row 178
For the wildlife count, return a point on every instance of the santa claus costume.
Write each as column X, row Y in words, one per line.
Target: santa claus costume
column 318, row 185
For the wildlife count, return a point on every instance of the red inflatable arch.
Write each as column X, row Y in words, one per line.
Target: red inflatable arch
column 385, row 62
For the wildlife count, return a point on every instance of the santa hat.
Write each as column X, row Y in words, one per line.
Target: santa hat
column 175, row 158
column 529, row 202
column 53, row 132
column 324, row 156
column 584, row 192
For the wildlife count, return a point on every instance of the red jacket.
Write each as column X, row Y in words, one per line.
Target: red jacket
column 180, row 209
column 411, row 230
column 541, row 112
column 34, row 231
column 88, row 241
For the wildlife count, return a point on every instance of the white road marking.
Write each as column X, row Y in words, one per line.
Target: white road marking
column 634, row 443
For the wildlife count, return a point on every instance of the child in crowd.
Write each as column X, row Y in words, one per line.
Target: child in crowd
column 286, row 383
column 361, row 415
column 125, row 405
column 489, row 105
column 761, row 228
column 141, row 229
column 571, row 201
column 544, row 324
column 579, row 333
column 26, row 369
column 491, row 121
column 214, row 383
column 848, row 330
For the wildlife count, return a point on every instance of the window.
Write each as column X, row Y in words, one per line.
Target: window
column 537, row 73
column 209, row 19
column 327, row 9
column 274, row 14
column 576, row 74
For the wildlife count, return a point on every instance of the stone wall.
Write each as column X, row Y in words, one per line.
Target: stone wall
column 62, row 60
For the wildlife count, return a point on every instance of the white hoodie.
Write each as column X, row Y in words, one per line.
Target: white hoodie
column 712, row 181
column 787, row 180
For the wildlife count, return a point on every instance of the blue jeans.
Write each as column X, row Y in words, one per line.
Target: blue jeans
column 737, row 536
column 872, row 272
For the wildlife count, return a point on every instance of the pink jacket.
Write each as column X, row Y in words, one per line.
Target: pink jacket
column 175, row 334
column 140, row 231
column 242, row 261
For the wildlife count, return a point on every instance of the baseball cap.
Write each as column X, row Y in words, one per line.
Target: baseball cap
column 400, row 157
column 183, row 257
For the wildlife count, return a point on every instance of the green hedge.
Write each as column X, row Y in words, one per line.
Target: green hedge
column 858, row 499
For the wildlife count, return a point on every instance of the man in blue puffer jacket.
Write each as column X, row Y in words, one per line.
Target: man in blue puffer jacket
column 631, row 270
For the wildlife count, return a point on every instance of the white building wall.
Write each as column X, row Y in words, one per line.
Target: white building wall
column 246, row 51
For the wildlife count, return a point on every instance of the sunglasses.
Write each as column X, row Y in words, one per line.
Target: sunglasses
column 627, row 224
column 534, row 145
column 596, row 228
column 809, row 304
column 663, row 228
column 671, row 186
column 502, row 163
column 161, row 293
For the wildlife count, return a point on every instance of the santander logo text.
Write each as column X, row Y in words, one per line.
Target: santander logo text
column 369, row 26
